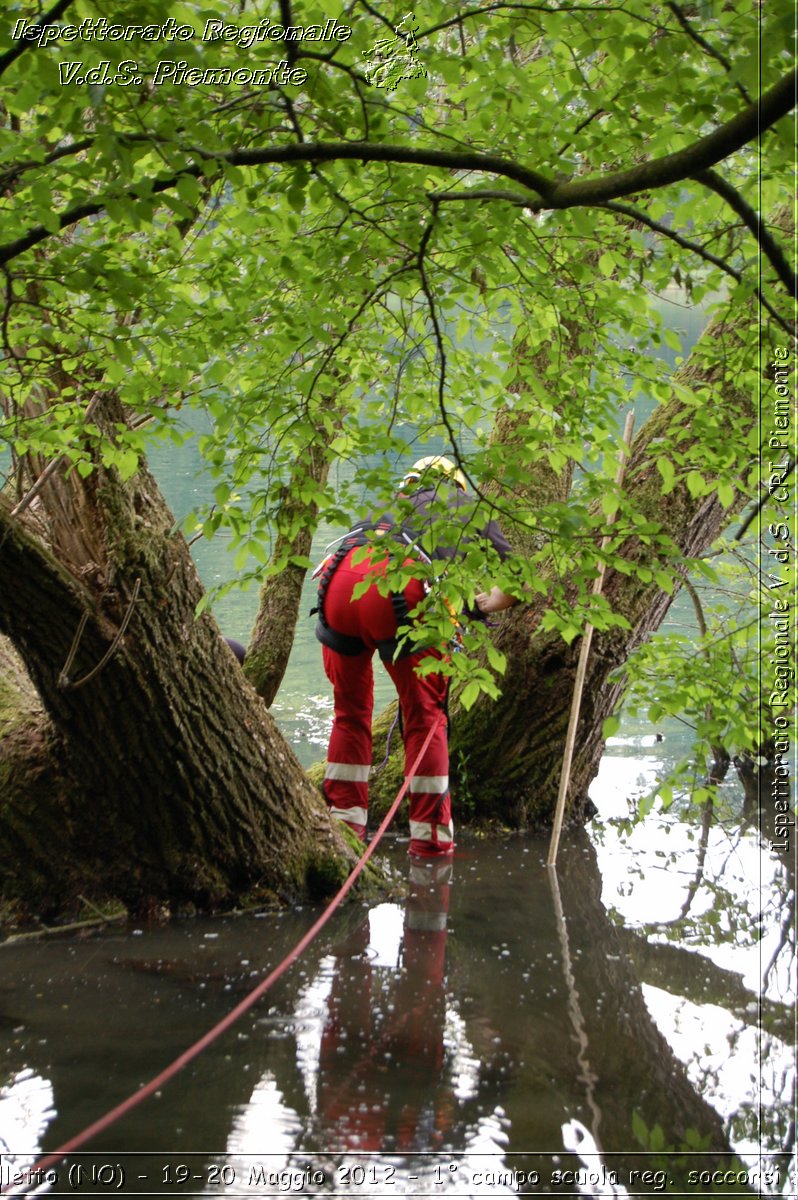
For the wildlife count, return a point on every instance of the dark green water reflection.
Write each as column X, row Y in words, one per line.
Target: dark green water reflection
column 498, row 1029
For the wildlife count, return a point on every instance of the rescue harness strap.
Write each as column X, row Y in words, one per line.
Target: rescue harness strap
column 348, row 644
column 99, row 1126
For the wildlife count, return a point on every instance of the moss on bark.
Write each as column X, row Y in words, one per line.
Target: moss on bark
column 273, row 634
column 185, row 793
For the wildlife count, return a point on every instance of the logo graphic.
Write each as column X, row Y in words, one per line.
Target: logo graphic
column 390, row 60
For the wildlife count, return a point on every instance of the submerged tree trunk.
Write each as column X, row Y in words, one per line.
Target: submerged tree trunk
column 568, row 1004
column 186, row 794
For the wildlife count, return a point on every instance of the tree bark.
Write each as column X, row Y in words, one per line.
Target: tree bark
column 37, row 794
column 187, row 793
column 506, row 755
column 275, row 625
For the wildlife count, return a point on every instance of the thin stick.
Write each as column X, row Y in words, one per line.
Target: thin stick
column 34, row 935
column 587, row 1075
column 581, row 669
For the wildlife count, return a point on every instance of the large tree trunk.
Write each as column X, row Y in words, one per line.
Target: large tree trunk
column 36, row 792
column 506, row 755
column 187, row 793
column 509, row 753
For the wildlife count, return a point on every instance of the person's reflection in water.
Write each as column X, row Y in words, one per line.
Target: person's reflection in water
column 381, row 1083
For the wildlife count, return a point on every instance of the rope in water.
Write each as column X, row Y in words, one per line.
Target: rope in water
column 193, row 1051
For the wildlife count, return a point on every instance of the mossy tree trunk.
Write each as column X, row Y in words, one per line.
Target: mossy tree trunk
column 37, row 794
column 185, row 791
column 507, row 755
column 275, row 625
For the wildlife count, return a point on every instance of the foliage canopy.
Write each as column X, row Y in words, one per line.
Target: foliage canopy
column 383, row 270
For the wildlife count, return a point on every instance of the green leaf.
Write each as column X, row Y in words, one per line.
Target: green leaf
column 639, row 1129
column 127, row 463
column 188, row 189
column 610, row 727
column 496, row 659
column 696, row 484
column 666, row 470
column 726, row 494
column 665, row 792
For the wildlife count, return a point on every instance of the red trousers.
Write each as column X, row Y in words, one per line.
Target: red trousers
column 422, row 698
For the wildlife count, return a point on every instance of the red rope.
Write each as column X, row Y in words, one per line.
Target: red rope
column 147, row 1089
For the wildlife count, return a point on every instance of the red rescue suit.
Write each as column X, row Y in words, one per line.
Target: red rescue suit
column 373, row 620
column 350, row 631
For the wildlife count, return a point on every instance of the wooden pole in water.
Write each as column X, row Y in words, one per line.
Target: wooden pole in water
column 581, row 668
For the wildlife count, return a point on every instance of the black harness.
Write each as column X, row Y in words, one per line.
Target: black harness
column 347, row 644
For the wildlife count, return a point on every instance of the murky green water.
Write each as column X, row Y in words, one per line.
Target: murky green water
column 495, row 1028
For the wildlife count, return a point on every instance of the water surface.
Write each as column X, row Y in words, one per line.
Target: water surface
column 493, row 1028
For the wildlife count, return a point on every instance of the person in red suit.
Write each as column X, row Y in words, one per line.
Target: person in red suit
column 353, row 624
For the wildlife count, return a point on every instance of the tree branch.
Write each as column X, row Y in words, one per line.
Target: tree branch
column 287, row 20
column 377, row 15
column 10, row 177
column 763, row 499
column 635, row 214
column 316, row 152
column 54, row 465
column 549, row 10
column 545, row 193
column 426, row 288
column 767, row 243
column 433, row 312
column 749, row 124
column 695, row 36
column 24, row 44
column 517, row 198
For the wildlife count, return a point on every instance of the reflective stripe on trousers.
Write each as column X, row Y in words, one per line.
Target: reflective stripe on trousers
column 430, row 799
